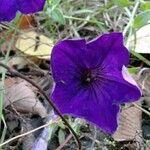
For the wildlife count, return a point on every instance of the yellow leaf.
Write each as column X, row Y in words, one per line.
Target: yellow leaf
column 34, row 44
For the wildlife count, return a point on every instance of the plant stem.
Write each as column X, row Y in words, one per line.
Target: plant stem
column 131, row 17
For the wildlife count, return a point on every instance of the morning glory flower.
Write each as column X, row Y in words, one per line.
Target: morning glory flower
column 9, row 8
column 91, row 79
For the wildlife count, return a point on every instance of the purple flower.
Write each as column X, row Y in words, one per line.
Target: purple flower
column 91, row 79
column 9, row 8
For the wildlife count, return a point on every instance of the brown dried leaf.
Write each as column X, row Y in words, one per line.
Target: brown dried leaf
column 21, row 96
column 129, row 124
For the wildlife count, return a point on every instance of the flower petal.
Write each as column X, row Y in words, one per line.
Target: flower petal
column 108, row 49
column 121, row 86
column 93, row 105
column 8, row 9
column 30, row 6
column 66, row 60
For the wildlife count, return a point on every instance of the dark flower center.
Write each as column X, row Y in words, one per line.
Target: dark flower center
column 87, row 77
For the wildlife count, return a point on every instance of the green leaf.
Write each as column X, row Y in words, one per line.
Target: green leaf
column 122, row 3
column 141, row 19
column 57, row 16
column 53, row 2
column 51, row 130
column 133, row 70
column 100, row 25
column 140, row 57
column 145, row 6
column 61, row 136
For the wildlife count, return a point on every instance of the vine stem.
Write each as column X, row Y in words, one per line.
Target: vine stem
column 13, row 72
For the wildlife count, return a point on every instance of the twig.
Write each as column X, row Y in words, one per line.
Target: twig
column 139, row 107
column 65, row 142
column 17, row 74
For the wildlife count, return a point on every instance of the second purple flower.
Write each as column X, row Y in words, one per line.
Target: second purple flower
column 9, row 8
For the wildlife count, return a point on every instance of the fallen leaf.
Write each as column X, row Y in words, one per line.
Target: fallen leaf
column 129, row 124
column 22, row 97
column 34, row 44
column 142, row 41
column 26, row 22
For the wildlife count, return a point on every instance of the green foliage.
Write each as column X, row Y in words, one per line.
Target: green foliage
column 145, row 6
column 54, row 12
column 53, row 2
column 56, row 15
column 141, row 19
column 122, row 3
column 133, row 70
column 61, row 136
column 51, row 130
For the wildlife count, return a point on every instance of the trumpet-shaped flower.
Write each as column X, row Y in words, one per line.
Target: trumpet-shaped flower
column 9, row 8
column 91, row 79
